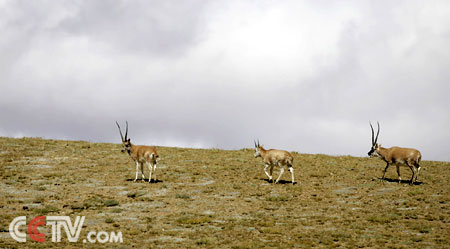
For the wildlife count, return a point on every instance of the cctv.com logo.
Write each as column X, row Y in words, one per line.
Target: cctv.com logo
column 57, row 222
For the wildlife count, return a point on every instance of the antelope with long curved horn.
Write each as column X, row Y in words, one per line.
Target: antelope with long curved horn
column 397, row 156
column 274, row 157
column 140, row 154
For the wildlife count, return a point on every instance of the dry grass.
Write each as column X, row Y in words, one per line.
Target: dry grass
column 221, row 199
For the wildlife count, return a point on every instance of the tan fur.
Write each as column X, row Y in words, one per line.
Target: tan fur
column 143, row 153
column 400, row 156
column 396, row 155
column 140, row 154
column 274, row 157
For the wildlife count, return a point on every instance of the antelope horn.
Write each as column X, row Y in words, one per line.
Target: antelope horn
column 378, row 132
column 372, row 133
column 126, row 132
column 121, row 136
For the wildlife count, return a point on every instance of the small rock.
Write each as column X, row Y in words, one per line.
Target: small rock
column 208, row 212
column 77, row 206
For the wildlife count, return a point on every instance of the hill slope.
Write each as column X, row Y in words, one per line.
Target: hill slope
column 217, row 199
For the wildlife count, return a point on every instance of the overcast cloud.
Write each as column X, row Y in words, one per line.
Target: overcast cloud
column 303, row 76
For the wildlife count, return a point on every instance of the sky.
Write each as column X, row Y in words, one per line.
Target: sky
column 304, row 76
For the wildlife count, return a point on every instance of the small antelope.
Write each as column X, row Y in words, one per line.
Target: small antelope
column 275, row 157
column 396, row 155
column 140, row 154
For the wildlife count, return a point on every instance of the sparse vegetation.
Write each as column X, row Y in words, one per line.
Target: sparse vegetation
column 45, row 210
column 191, row 220
column 222, row 199
column 277, row 198
column 182, row 196
column 111, row 203
column 109, row 220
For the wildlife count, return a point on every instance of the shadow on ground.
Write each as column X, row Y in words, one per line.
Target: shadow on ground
column 145, row 180
column 279, row 182
column 402, row 181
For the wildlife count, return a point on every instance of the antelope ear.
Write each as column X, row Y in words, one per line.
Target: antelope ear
column 128, row 140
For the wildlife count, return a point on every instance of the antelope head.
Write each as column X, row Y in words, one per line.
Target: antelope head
column 126, row 144
column 257, row 149
column 374, row 149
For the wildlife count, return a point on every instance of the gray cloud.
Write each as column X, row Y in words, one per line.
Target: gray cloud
column 297, row 75
column 156, row 28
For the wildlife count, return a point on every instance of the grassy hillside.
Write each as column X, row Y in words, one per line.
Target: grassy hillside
column 221, row 199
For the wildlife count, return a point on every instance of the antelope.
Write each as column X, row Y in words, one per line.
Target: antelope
column 140, row 154
column 396, row 155
column 275, row 157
